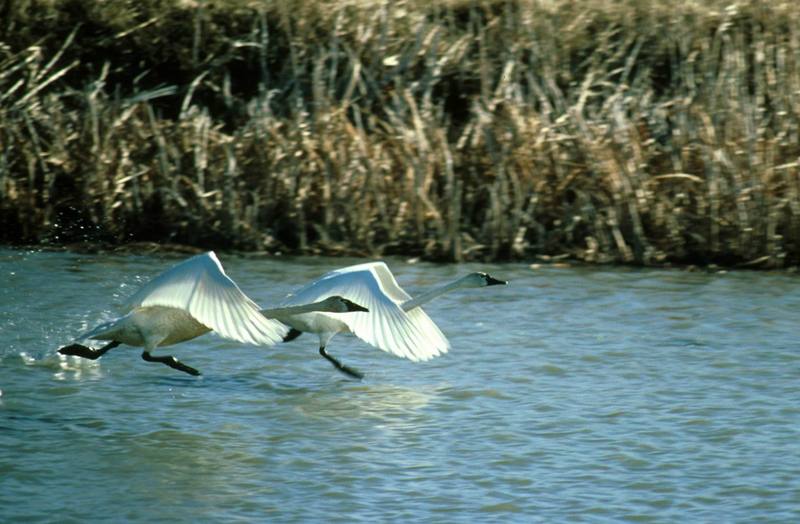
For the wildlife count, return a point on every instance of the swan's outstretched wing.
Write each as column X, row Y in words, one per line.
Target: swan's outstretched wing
column 200, row 287
column 411, row 335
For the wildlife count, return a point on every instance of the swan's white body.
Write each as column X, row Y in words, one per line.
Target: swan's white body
column 189, row 300
column 395, row 323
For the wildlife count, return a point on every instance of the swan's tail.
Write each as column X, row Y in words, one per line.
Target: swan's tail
column 106, row 328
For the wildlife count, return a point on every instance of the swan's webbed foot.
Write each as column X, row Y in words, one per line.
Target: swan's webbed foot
column 292, row 334
column 341, row 367
column 79, row 350
column 172, row 362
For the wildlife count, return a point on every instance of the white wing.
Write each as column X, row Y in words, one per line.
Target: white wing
column 200, row 287
column 411, row 335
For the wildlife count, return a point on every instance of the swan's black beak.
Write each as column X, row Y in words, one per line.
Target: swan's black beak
column 352, row 306
column 491, row 281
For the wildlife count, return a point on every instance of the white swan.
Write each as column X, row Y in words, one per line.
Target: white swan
column 189, row 300
column 394, row 323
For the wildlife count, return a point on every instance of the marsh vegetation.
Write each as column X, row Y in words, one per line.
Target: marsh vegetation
column 607, row 131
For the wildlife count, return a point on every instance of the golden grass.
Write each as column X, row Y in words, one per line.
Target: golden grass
column 610, row 131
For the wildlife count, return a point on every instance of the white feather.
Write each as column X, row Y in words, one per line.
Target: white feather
column 411, row 335
column 200, row 287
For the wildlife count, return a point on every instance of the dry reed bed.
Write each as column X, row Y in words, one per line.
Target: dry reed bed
column 607, row 131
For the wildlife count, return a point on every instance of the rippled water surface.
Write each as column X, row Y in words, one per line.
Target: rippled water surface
column 572, row 395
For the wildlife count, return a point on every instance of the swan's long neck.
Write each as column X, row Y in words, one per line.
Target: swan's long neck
column 288, row 311
column 433, row 293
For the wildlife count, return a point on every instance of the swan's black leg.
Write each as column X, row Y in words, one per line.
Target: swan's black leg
column 292, row 334
column 87, row 352
column 338, row 365
column 172, row 362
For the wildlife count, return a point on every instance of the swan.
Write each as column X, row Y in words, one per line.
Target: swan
column 394, row 323
column 189, row 300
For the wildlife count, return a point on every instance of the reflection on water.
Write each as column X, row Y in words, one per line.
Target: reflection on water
column 570, row 395
column 63, row 367
column 382, row 402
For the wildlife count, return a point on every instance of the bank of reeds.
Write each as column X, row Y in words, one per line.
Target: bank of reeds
column 608, row 131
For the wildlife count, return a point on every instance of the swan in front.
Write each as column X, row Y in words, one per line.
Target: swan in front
column 189, row 300
column 394, row 323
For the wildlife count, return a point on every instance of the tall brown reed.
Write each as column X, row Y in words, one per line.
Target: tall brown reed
column 633, row 132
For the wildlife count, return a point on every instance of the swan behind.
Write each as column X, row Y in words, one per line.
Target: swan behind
column 395, row 322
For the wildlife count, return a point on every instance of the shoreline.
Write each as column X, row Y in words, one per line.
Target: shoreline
column 563, row 261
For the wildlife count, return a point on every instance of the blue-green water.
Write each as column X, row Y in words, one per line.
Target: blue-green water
column 571, row 395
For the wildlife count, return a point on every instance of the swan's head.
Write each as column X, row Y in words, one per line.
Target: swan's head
column 337, row 304
column 480, row 279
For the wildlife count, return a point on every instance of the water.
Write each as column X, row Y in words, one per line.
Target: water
column 575, row 395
